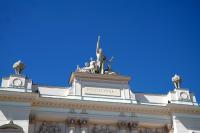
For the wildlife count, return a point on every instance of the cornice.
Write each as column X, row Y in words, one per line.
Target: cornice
column 101, row 106
column 35, row 100
column 18, row 96
column 182, row 108
column 99, row 77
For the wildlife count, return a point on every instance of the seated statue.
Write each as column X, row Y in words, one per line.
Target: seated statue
column 89, row 67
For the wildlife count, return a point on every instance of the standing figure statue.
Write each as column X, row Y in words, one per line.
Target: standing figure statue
column 177, row 81
column 98, row 66
column 109, row 64
column 108, row 70
column 100, row 57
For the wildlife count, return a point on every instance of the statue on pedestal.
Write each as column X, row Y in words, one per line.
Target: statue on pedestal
column 18, row 67
column 97, row 66
column 177, row 81
column 101, row 58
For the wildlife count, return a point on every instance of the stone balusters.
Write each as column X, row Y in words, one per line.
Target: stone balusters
column 83, row 126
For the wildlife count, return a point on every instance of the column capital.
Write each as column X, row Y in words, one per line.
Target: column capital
column 71, row 122
column 122, row 124
column 83, row 122
column 133, row 125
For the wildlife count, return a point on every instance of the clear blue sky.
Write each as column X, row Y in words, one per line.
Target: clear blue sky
column 150, row 40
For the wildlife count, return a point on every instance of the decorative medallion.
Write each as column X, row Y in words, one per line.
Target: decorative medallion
column 184, row 96
column 17, row 82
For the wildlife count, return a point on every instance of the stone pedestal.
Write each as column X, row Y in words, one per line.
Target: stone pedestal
column 98, row 85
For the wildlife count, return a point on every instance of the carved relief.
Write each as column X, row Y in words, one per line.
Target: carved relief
column 71, row 122
column 83, row 123
column 128, row 126
column 133, row 125
column 49, row 128
column 184, row 96
column 122, row 125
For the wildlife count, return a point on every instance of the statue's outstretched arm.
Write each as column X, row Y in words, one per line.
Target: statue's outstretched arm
column 98, row 44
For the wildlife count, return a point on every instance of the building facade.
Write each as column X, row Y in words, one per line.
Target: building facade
column 98, row 101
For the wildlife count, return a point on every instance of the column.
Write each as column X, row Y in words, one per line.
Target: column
column 32, row 123
column 83, row 126
column 133, row 127
column 72, row 125
column 123, row 127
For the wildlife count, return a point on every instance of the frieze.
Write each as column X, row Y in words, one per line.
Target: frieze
column 52, row 127
column 49, row 128
column 163, row 110
column 38, row 101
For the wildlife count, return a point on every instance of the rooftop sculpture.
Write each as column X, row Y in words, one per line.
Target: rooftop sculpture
column 177, row 81
column 98, row 66
column 18, row 67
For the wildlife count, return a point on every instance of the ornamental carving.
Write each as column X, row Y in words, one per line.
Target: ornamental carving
column 133, row 125
column 71, row 122
column 122, row 124
column 83, row 123
column 49, row 128
column 184, row 96
column 102, row 65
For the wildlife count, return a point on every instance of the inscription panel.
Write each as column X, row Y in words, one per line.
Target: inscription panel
column 101, row 91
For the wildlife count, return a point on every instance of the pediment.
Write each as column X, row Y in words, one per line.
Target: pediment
column 11, row 127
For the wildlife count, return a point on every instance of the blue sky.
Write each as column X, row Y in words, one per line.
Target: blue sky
column 150, row 40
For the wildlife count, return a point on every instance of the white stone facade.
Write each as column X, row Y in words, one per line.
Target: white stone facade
column 95, row 103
